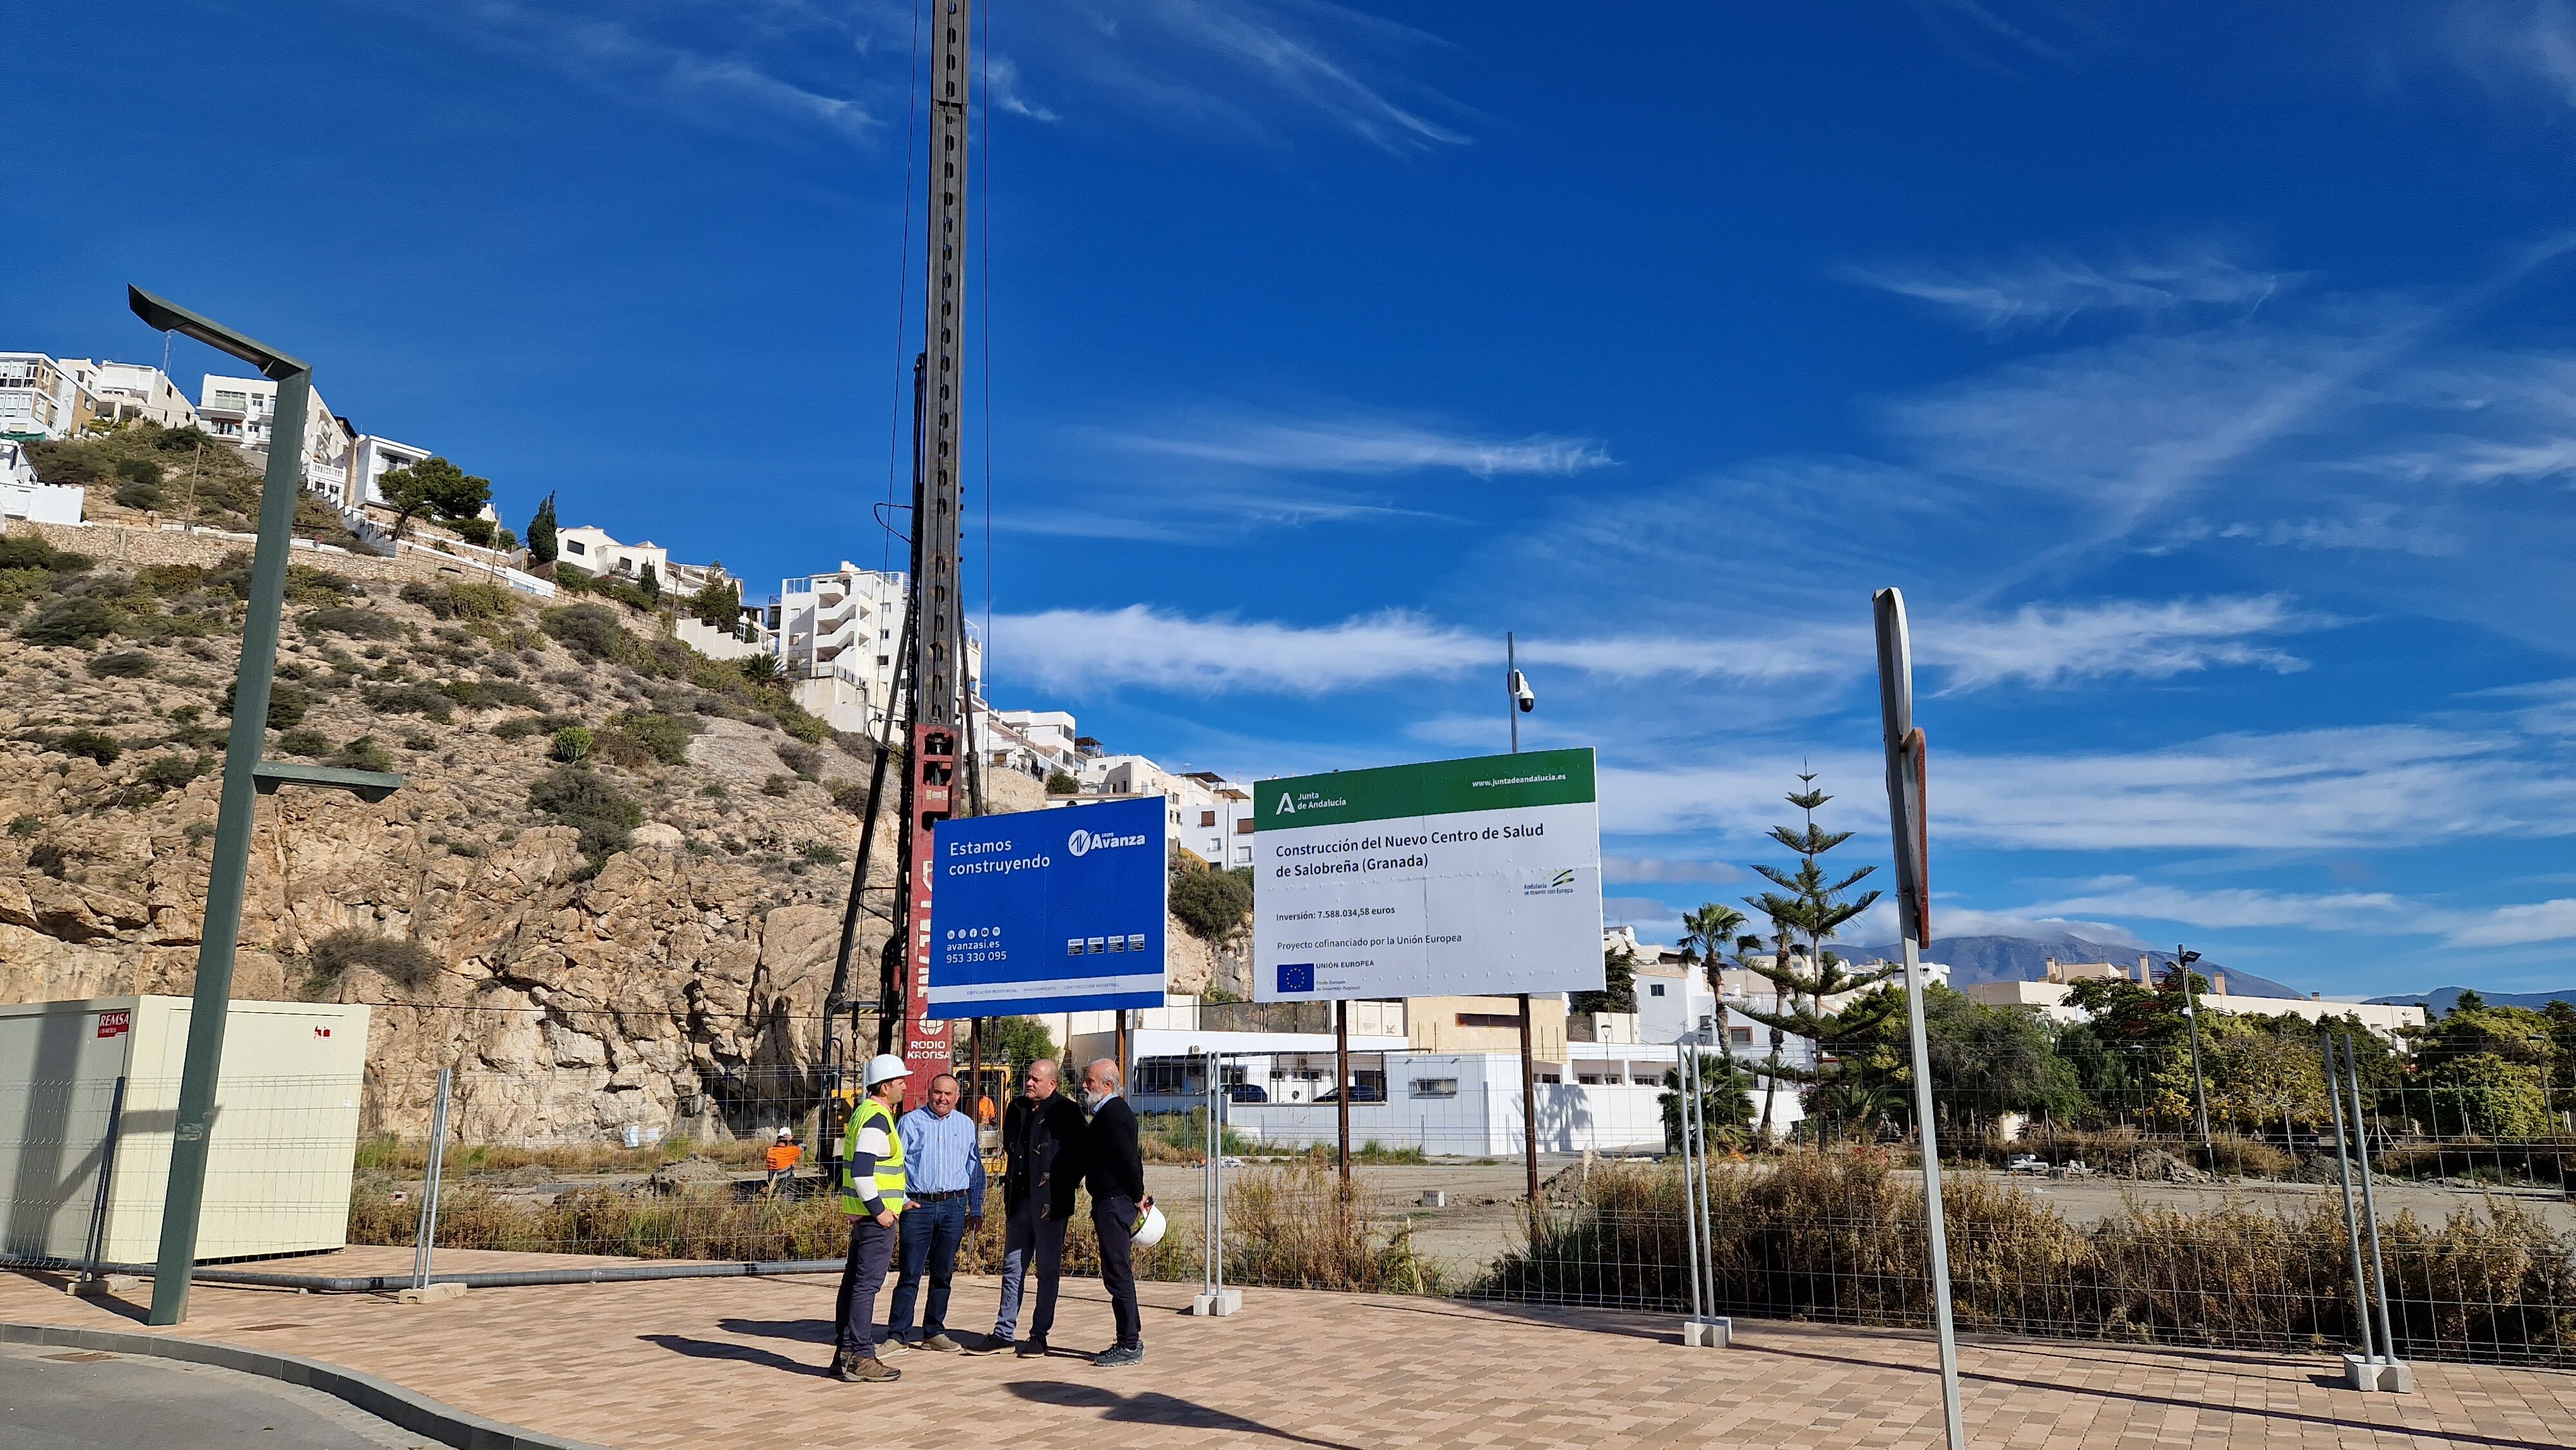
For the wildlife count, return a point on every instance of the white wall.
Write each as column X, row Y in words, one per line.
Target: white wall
column 45, row 503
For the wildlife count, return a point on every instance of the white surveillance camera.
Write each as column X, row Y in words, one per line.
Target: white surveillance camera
column 1521, row 694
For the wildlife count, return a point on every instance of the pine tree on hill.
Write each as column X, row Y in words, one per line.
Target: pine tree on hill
column 1806, row 912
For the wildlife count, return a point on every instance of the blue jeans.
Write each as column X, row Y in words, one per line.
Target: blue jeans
column 1029, row 1241
column 931, row 1234
column 854, row 1316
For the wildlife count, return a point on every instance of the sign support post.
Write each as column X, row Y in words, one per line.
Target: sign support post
column 1342, row 1088
column 1911, row 832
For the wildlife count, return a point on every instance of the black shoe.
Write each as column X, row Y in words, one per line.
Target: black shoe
column 1118, row 1354
column 989, row 1344
column 1033, row 1347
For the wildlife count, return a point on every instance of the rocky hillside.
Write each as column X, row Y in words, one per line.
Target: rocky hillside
column 609, row 891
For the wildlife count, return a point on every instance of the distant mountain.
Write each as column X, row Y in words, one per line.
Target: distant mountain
column 2445, row 998
column 1976, row 959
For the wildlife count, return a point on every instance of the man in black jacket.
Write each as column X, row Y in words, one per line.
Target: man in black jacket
column 1042, row 1136
column 1114, row 1171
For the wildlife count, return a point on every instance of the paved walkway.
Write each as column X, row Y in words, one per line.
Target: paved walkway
column 738, row 1362
column 54, row 1399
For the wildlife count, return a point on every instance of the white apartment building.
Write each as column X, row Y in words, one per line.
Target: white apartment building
column 1036, row 743
column 244, row 410
column 2049, row 998
column 370, row 459
column 120, row 391
column 589, row 548
column 40, row 398
column 1209, row 816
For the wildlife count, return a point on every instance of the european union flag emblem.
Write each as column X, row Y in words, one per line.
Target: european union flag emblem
column 1296, row 976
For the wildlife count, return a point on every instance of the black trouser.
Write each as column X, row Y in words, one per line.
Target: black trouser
column 1114, row 1220
column 854, row 1316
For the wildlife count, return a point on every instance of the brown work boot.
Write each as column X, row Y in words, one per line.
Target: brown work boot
column 866, row 1370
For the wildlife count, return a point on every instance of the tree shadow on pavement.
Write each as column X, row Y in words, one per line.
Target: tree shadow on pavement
column 1149, row 1407
column 739, row 1353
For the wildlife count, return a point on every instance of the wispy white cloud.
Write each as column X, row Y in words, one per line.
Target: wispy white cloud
column 623, row 52
column 1002, row 87
column 2391, row 786
column 2540, row 921
column 1629, row 870
column 2057, row 645
column 1165, row 649
column 2047, row 290
column 1355, row 442
column 2517, row 45
column 2237, row 906
column 1091, row 651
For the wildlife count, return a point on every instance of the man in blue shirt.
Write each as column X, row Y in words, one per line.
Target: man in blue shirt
column 944, row 1168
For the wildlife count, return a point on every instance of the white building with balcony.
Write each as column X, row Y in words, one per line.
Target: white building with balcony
column 40, row 398
column 244, row 411
column 121, row 391
column 370, row 459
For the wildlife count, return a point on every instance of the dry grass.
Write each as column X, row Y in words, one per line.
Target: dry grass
column 1841, row 1237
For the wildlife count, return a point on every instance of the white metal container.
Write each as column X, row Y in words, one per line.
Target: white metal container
column 284, row 1140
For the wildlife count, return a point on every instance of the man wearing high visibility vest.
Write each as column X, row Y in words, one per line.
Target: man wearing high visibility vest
column 872, row 1182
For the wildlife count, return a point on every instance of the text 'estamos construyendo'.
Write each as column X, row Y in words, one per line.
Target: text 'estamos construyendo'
column 983, row 858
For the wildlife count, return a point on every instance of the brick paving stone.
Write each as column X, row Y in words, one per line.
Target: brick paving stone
column 738, row 1362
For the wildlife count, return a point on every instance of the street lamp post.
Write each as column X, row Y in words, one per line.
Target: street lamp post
column 2199, row 1085
column 246, row 778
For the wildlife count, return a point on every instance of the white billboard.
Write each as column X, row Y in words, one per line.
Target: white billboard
column 1471, row 877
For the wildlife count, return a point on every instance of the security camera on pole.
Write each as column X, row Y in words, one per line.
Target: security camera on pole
column 1523, row 701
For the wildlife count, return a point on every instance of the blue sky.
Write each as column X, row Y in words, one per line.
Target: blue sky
column 2205, row 374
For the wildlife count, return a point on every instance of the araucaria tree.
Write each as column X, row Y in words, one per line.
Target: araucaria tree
column 1806, row 912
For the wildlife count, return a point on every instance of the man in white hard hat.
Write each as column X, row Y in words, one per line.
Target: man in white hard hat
column 781, row 1161
column 872, row 1194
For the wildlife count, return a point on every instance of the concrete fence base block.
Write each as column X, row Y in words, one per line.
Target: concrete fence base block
column 430, row 1294
column 1218, row 1304
column 2384, row 1376
column 105, row 1286
column 1708, row 1333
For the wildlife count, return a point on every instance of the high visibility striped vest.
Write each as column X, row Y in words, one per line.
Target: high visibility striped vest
column 889, row 1179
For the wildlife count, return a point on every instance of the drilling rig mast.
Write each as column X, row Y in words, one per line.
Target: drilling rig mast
column 936, row 694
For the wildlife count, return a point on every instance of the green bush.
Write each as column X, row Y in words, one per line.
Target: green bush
column 364, row 753
column 303, row 742
column 1211, row 903
column 812, row 729
column 183, row 440
column 666, row 739
column 172, row 771
column 407, row 964
column 805, row 760
column 579, row 798
column 120, row 665
column 96, row 745
column 778, row 785
column 70, row 621
column 493, row 695
column 287, row 702
column 851, row 796
column 572, row 743
column 823, row 853
column 1059, row 783
column 409, row 700
column 481, row 601
column 140, row 496
column 590, row 631
column 30, row 551
column 354, row 622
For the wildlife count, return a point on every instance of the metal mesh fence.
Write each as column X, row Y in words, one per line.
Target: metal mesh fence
column 2149, row 1241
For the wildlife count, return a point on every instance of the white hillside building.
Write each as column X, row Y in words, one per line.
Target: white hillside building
column 121, row 391
column 244, row 411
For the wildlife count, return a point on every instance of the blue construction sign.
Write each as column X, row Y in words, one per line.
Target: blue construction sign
column 1049, row 911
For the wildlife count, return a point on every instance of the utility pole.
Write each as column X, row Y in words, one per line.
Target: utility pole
column 2199, row 1085
column 935, row 611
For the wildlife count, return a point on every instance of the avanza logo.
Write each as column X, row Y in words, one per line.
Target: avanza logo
column 1083, row 843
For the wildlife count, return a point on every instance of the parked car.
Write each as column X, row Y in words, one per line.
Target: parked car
column 1247, row 1092
column 1360, row 1093
column 2026, row 1163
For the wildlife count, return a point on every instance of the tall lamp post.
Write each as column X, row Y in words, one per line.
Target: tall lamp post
column 1519, row 700
column 246, row 778
column 2199, row 1084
